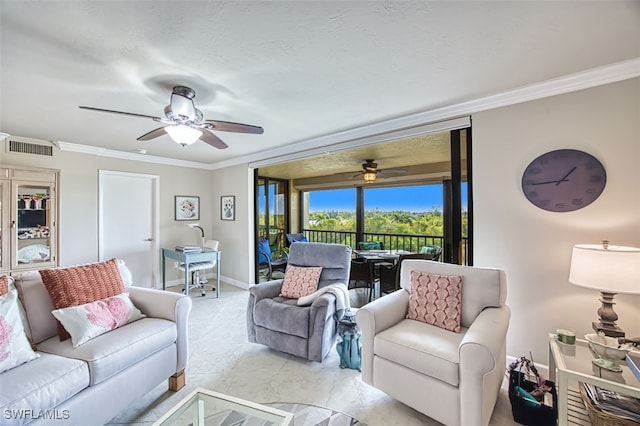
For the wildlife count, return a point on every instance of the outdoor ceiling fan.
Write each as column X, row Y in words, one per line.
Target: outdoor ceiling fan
column 184, row 123
column 370, row 172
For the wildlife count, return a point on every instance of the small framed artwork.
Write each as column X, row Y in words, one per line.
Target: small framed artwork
column 187, row 207
column 228, row 207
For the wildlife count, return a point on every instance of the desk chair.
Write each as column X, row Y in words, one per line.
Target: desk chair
column 195, row 268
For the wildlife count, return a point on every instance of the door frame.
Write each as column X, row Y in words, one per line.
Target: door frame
column 155, row 217
column 256, row 210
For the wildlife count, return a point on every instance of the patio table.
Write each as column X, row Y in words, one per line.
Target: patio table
column 381, row 255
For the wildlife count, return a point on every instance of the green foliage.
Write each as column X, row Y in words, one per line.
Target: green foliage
column 384, row 222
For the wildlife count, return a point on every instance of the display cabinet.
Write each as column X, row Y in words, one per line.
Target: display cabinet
column 28, row 218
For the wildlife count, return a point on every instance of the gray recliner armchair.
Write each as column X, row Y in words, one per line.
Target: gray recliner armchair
column 305, row 331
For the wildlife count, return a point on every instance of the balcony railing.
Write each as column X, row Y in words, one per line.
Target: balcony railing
column 407, row 242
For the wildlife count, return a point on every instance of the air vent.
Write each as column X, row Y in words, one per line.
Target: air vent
column 29, row 147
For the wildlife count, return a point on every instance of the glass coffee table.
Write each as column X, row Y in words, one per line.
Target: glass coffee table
column 204, row 407
column 570, row 364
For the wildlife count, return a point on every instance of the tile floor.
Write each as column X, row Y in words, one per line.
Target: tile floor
column 223, row 360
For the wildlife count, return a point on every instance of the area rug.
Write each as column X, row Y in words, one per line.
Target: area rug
column 303, row 415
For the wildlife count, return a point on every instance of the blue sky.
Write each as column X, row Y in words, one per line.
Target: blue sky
column 410, row 198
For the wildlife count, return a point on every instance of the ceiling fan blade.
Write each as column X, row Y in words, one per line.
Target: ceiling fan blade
column 160, row 131
column 391, row 173
column 120, row 112
column 395, row 171
column 229, row 126
column 212, row 139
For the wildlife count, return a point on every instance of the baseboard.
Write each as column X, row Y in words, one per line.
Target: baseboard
column 210, row 277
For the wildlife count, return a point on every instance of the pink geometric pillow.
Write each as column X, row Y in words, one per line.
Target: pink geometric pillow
column 4, row 285
column 436, row 300
column 300, row 281
column 84, row 322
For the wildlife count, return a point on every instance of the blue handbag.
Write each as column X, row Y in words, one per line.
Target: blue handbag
column 349, row 347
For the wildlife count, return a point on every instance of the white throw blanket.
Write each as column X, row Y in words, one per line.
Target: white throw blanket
column 339, row 290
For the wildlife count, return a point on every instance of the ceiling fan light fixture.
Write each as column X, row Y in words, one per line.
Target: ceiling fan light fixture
column 369, row 176
column 184, row 135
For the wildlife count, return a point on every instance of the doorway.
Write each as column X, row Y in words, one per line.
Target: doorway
column 272, row 215
column 128, row 223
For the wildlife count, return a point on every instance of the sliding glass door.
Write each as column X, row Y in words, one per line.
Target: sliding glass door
column 272, row 213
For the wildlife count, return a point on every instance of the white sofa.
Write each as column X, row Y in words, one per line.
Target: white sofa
column 453, row 378
column 94, row 382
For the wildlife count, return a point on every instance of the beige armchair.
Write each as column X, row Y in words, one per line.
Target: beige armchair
column 453, row 378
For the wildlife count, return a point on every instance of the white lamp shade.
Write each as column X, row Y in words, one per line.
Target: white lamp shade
column 184, row 135
column 615, row 269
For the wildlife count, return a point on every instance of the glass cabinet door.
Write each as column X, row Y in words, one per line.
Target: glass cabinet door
column 5, row 210
column 33, row 225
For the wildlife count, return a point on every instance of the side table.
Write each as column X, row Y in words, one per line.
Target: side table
column 573, row 363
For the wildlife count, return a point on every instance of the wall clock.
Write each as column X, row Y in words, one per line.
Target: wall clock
column 564, row 180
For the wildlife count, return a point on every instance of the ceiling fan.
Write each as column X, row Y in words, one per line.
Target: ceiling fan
column 184, row 123
column 370, row 172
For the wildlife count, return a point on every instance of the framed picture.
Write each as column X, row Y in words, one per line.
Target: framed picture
column 187, row 207
column 228, row 207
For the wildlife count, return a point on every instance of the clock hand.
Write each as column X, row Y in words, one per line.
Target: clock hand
column 564, row 178
column 549, row 181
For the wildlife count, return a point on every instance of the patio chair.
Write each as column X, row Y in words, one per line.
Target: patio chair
column 436, row 251
column 390, row 275
column 296, row 238
column 370, row 245
column 266, row 257
column 361, row 276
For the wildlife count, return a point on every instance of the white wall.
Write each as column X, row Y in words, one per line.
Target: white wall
column 533, row 245
column 78, row 192
column 236, row 237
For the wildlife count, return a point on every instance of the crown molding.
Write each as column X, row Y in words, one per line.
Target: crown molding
column 360, row 136
column 123, row 155
column 409, row 125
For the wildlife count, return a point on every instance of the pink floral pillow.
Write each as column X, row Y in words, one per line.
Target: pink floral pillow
column 84, row 322
column 300, row 281
column 436, row 300
column 14, row 346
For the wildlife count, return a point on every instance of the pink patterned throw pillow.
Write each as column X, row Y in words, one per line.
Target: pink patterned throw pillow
column 436, row 300
column 84, row 322
column 300, row 281
column 14, row 346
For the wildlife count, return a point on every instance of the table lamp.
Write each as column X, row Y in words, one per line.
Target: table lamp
column 197, row 225
column 610, row 269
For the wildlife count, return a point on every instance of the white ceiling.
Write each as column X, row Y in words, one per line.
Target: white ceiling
column 300, row 69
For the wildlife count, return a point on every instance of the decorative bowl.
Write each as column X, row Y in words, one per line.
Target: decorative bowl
column 608, row 347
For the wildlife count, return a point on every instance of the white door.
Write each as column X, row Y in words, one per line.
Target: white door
column 128, row 223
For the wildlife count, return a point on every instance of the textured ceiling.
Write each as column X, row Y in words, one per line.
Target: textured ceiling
column 398, row 154
column 299, row 69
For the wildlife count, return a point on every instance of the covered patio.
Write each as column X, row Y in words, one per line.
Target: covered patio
column 285, row 192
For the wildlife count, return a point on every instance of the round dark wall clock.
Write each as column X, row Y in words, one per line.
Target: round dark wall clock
column 564, row 180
